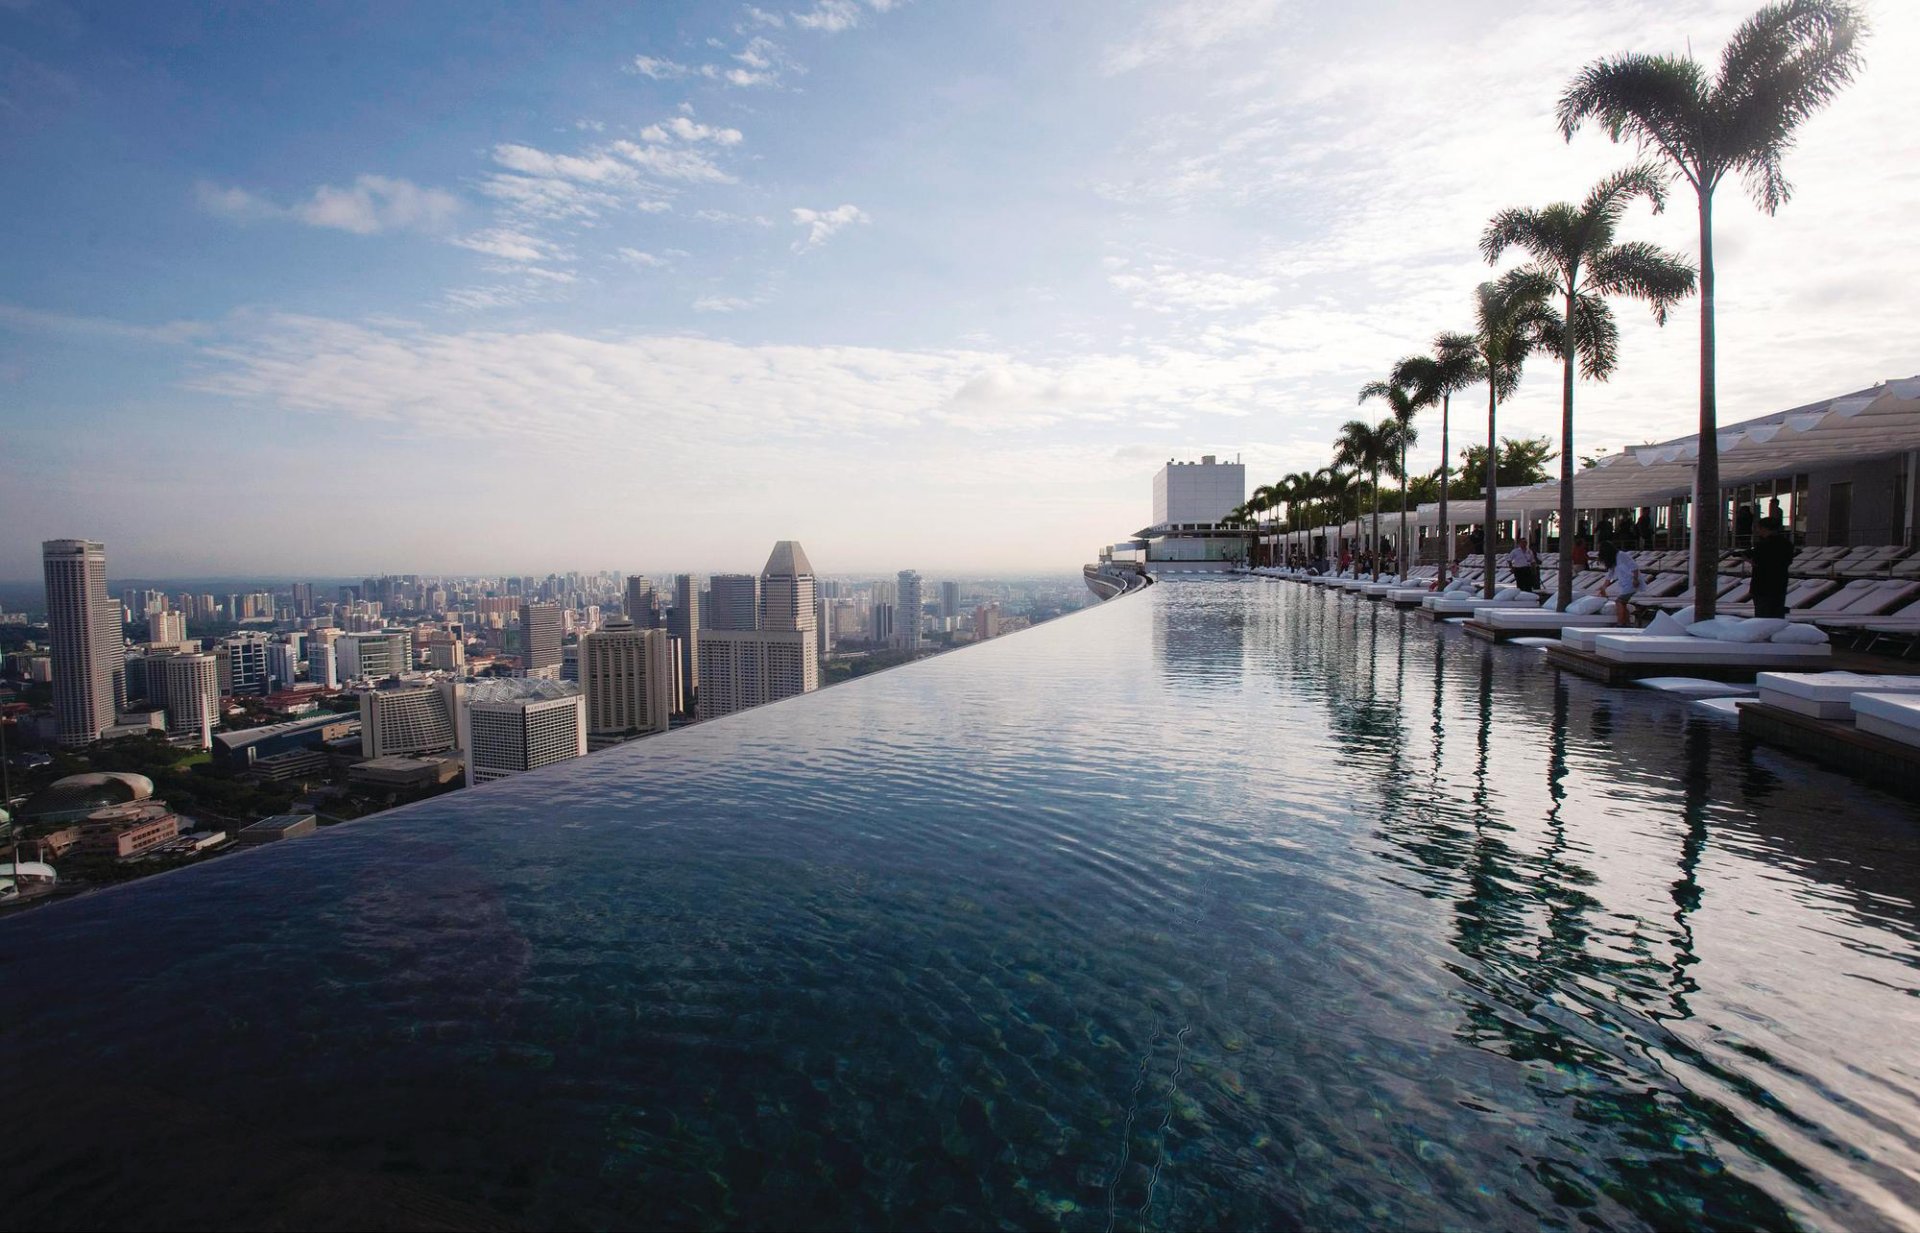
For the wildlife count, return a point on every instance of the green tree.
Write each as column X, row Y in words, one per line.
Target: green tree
column 1521, row 462
column 1783, row 64
column 1512, row 320
column 1370, row 449
column 1400, row 400
column 1573, row 246
column 1434, row 379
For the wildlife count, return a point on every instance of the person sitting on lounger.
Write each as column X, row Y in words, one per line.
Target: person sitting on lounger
column 1622, row 581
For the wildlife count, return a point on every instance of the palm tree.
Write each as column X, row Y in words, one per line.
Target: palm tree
column 1437, row 378
column 1335, row 484
column 1265, row 499
column 1512, row 320
column 1782, row 64
column 1401, row 401
column 1573, row 246
column 1371, row 449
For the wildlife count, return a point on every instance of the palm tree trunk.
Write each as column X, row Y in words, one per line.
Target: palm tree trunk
column 1446, row 528
column 1706, row 476
column 1564, row 591
column 1376, row 525
column 1400, row 548
column 1488, row 547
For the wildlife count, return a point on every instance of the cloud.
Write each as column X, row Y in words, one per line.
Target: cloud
column 724, row 304
column 1165, row 286
column 370, row 205
column 509, row 245
column 634, row 256
column 1191, row 27
column 829, row 16
column 821, row 224
column 14, row 317
column 688, row 130
column 660, row 70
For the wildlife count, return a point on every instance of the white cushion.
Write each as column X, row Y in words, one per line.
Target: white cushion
column 1758, row 629
column 1586, row 605
column 1803, row 635
column 1459, row 584
column 1552, row 605
column 1685, row 615
column 1665, row 624
column 1510, row 593
column 1720, row 629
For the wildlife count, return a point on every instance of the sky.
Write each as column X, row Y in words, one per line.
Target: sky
column 352, row 289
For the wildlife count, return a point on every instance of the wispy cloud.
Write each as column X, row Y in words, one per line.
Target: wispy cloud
column 822, row 224
column 833, row 16
column 661, row 70
column 370, row 205
column 14, row 317
column 1191, row 26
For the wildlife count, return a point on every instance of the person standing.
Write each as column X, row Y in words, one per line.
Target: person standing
column 1772, row 556
column 1526, row 565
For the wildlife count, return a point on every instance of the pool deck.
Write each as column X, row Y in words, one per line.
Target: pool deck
column 1885, row 764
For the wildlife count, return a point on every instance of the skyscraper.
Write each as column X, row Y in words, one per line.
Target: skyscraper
column 907, row 620
column 187, row 688
column 883, row 622
column 743, row 666
column 303, row 599
column 243, row 663
column 323, row 669
column 684, row 625
column 167, row 628
column 508, row 726
column 540, row 640
column 949, row 601
column 627, row 673
column 736, row 602
column 642, row 602
column 89, row 651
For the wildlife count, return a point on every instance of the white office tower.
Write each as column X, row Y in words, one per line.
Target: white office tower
column 167, row 628
column 735, row 602
column 740, row 668
column 373, row 656
column 883, row 617
column 540, row 640
column 283, row 664
column 628, row 676
column 409, row 719
column 323, row 664
column 684, row 625
column 823, row 626
column 89, row 652
column 187, row 687
column 949, row 603
column 508, row 726
column 907, row 620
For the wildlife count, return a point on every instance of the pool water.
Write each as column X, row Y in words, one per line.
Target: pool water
column 1225, row 904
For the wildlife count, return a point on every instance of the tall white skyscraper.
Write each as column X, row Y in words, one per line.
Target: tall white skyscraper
column 823, row 626
column 907, row 619
column 746, row 667
column 283, row 659
column 735, row 602
column 540, row 639
column 89, row 650
column 323, row 667
column 187, row 687
column 627, row 673
column 685, row 627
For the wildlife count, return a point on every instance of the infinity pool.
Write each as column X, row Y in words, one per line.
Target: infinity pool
column 1226, row 904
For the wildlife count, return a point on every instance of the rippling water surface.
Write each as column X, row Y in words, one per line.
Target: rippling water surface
column 1227, row 904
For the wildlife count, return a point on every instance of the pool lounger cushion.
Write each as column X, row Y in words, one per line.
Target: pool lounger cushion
column 1686, row 649
column 1826, row 695
column 1893, row 716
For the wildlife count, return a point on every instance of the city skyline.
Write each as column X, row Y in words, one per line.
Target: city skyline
column 755, row 253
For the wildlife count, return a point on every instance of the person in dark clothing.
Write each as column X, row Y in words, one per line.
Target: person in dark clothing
column 1771, row 554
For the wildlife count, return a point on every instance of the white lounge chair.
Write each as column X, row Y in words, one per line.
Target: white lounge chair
column 1826, row 695
column 1676, row 651
column 1895, row 716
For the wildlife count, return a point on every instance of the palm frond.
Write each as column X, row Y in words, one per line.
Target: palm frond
column 1643, row 271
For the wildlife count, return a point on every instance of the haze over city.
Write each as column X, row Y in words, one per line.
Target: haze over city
column 941, row 284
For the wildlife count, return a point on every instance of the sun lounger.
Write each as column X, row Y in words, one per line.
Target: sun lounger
column 1510, row 620
column 1895, row 716
column 1826, row 695
column 1464, row 605
column 1684, row 649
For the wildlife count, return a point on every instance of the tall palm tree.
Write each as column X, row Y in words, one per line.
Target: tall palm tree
column 1782, row 64
column 1265, row 499
column 1512, row 320
column 1573, row 247
column 1372, row 449
column 1401, row 401
column 1437, row 378
column 1335, row 484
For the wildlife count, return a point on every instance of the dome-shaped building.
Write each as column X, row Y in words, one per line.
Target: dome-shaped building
column 76, row 796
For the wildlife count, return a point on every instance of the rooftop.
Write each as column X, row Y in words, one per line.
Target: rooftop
column 1222, row 904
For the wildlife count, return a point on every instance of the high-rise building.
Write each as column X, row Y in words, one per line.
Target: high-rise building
column 283, row 663
column 746, row 667
column 303, row 600
column 167, row 628
column 643, row 602
column 243, row 663
column 84, row 630
column 684, row 624
column 627, row 673
column 735, row 602
column 511, row 726
column 949, row 601
column 323, row 664
column 540, row 640
column 410, row 719
column 823, row 626
column 372, row 656
column 883, row 620
column 907, row 620
column 187, row 688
